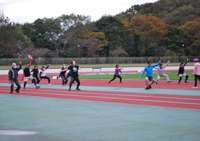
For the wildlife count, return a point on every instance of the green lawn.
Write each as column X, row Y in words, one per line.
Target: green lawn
column 3, row 67
column 172, row 76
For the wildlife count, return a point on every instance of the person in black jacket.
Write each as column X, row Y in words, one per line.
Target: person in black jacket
column 13, row 75
column 35, row 73
column 181, row 72
column 62, row 75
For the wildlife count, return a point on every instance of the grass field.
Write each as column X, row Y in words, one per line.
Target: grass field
column 2, row 67
column 172, row 76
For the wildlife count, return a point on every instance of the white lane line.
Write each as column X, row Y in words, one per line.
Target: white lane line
column 129, row 99
column 130, row 95
column 16, row 132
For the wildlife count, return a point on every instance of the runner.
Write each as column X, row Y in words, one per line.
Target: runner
column 43, row 74
column 161, row 73
column 116, row 74
column 181, row 72
column 74, row 74
column 62, row 75
column 149, row 71
column 36, row 73
column 13, row 75
column 27, row 75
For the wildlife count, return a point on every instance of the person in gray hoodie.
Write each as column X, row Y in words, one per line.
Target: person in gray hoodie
column 161, row 72
column 12, row 76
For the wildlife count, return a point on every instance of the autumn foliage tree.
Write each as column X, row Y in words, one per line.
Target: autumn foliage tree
column 191, row 30
column 150, row 26
column 150, row 29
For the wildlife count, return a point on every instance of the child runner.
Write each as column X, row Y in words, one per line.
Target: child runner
column 36, row 73
column 62, row 75
column 161, row 72
column 181, row 72
column 27, row 75
column 74, row 74
column 13, row 75
column 149, row 71
column 43, row 74
column 196, row 71
column 117, row 70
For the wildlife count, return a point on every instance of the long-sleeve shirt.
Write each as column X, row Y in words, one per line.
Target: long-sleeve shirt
column 196, row 69
column 161, row 70
column 117, row 70
column 43, row 72
column 35, row 72
column 13, row 73
column 149, row 70
column 26, row 71
column 182, row 69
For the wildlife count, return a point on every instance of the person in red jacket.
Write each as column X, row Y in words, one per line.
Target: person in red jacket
column 27, row 75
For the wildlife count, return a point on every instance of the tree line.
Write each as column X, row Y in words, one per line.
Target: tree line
column 163, row 28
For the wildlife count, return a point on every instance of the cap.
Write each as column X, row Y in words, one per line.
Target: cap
column 14, row 65
column 64, row 65
column 196, row 60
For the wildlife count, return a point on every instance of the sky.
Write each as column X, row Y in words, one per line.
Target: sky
column 22, row 11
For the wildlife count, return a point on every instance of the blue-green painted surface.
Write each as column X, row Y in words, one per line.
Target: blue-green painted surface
column 76, row 120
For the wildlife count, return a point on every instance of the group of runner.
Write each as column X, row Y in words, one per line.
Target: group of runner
column 149, row 71
column 73, row 73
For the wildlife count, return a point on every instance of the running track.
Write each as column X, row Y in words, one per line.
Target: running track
column 174, row 101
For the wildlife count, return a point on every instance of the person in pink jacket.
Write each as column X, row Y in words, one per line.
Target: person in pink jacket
column 196, row 72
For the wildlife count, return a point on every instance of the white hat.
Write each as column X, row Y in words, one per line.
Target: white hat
column 14, row 65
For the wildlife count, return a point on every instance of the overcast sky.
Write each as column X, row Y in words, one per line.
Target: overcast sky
column 22, row 11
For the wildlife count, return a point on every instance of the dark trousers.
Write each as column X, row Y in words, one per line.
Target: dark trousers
column 115, row 77
column 36, row 79
column 74, row 79
column 12, row 85
column 64, row 79
column 186, row 78
column 44, row 77
column 68, row 75
column 195, row 78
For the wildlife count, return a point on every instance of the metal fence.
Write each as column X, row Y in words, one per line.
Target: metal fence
column 97, row 60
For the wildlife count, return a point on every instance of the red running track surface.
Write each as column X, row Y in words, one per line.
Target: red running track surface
column 174, row 101
column 126, row 83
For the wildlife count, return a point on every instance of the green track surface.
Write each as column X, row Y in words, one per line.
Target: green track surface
column 76, row 120
column 172, row 76
column 58, row 119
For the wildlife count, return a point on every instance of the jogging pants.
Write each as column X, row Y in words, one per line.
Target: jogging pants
column 115, row 77
column 196, row 77
column 164, row 75
column 12, row 85
column 44, row 77
column 74, row 79
column 64, row 79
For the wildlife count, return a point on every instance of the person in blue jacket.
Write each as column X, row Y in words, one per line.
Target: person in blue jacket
column 149, row 71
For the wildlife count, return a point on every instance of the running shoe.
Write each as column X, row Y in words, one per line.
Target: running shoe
column 17, row 91
column 69, row 90
column 78, row 89
column 49, row 84
column 147, row 88
column 186, row 82
column 178, row 83
column 150, row 87
column 156, row 82
column 168, row 82
column 37, row 87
